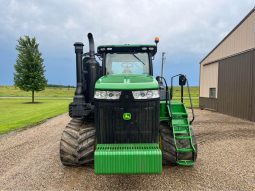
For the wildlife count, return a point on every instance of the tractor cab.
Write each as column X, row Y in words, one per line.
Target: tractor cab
column 126, row 67
column 127, row 59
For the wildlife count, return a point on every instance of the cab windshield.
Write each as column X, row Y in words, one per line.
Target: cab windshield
column 130, row 63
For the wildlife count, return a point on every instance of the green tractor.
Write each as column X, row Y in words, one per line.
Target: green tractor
column 123, row 119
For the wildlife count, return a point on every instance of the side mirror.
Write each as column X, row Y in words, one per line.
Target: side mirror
column 182, row 80
column 160, row 82
column 158, row 78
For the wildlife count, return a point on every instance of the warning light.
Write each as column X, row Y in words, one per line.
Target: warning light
column 157, row 40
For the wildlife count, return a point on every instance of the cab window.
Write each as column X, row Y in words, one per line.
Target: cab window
column 121, row 63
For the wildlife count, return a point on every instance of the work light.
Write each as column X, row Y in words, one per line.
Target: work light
column 107, row 94
column 146, row 94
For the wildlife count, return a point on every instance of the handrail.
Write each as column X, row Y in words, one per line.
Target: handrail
column 167, row 95
column 171, row 89
column 191, row 105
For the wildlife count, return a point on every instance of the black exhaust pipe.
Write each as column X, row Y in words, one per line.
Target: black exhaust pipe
column 92, row 69
column 78, row 108
column 87, row 73
column 91, row 46
column 79, row 86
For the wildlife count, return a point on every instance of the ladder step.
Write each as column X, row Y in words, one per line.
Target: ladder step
column 181, row 129
column 184, row 150
column 180, row 121
column 185, row 131
column 183, row 137
column 180, row 114
column 185, row 162
column 181, row 132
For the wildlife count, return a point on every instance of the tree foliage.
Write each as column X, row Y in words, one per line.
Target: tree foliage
column 29, row 68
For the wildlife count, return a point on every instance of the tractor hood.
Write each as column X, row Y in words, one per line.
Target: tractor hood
column 126, row 82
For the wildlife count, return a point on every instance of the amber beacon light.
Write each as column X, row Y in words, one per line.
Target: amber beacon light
column 157, row 40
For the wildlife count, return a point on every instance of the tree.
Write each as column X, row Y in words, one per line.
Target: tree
column 29, row 68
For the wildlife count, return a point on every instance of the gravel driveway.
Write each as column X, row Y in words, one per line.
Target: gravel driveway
column 226, row 160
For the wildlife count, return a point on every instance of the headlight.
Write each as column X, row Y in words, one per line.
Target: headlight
column 146, row 94
column 107, row 94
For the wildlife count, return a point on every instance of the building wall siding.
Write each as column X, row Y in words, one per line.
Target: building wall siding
column 235, row 84
column 242, row 39
column 236, row 87
column 253, row 88
column 208, row 78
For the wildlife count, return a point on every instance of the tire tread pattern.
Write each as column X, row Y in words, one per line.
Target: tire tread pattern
column 77, row 143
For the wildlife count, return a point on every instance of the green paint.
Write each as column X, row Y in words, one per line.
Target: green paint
column 128, row 159
column 126, row 82
column 164, row 114
column 127, row 116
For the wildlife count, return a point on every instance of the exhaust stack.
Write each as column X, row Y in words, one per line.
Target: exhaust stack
column 79, row 86
column 92, row 69
column 91, row 46
column 87, row 73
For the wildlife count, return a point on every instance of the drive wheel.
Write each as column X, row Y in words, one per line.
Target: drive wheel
column 77, row 143
column 168, row 147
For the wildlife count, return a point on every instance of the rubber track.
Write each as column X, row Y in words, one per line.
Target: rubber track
column 77, row 143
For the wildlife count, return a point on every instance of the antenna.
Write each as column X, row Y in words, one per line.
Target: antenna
column 162, row 64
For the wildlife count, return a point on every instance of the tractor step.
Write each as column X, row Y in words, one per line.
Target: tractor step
column 184, row 150
column 179, row 115
column 182, row 137
column 180, row 121
column 181, row 129
column 185, row 162
column 128, row 159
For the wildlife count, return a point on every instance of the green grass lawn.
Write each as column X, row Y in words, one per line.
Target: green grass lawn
column 194, row 92
column 11, row 91
column 18, row 113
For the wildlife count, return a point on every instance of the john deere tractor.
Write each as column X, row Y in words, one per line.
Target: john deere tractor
column 124, row 120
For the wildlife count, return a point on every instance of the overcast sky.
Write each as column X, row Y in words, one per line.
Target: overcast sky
column 188, row 30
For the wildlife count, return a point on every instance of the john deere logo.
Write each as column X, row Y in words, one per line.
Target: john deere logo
column 127, row 116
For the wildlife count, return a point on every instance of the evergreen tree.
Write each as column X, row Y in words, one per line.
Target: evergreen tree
column 29, row 68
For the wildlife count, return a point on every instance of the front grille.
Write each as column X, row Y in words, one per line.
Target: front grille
column 143, row 127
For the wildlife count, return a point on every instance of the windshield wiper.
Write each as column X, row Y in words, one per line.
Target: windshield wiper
column 138, row 58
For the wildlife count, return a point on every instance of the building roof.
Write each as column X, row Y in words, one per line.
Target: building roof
column 253, row 10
